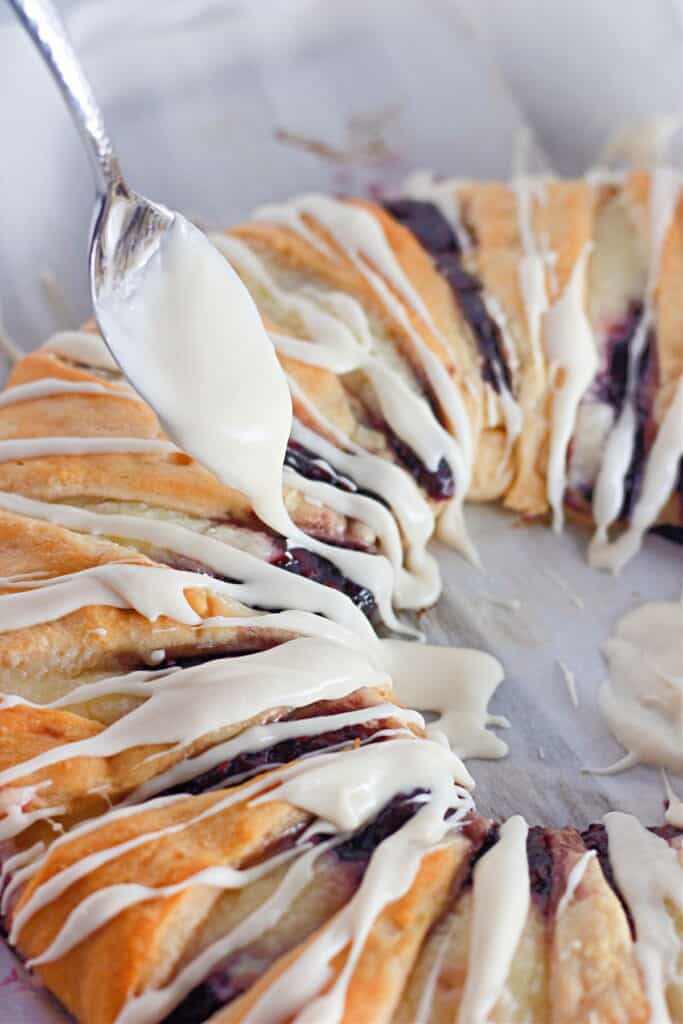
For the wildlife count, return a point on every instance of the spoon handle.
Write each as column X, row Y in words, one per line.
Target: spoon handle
column 48, row 32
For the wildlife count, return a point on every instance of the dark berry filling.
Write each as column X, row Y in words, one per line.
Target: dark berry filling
column 360, row 846
column 299, row 561
column 432, row 230
column 437, row 483
column 307, row 464
column 314, row 567
column 611, row 384
column 251, row 762
column 540, row 860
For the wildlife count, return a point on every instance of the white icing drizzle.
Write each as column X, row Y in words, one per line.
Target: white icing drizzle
column 82, row 347
column 569, row 681
column 512, row 410
column 649, row 874
column 361, row 236
column 458, row 686
column 153, row 592
column 18, row 869
column 574, row 881
column 343, row 342
column 643, row 699
column 665, row 185
column 532, row 271
column 500, row 908
column 424, row 1008
column 346, row 789
column 367, row 510
column 260, row 737
column 571, row 350
column 49, row 387
column 41, row 447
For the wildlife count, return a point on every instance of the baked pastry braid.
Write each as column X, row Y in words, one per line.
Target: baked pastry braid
column 213, row 807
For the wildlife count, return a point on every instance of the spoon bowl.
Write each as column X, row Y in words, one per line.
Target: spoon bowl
column 128, row 231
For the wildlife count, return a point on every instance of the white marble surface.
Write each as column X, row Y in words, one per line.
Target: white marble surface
column 195, row 107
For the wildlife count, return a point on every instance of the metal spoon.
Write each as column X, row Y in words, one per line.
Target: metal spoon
column 127, row 228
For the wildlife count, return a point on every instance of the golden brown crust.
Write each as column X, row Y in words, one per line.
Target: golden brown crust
column 389, row 952
column 140, row 945
column 594, row 974
column 490, row 212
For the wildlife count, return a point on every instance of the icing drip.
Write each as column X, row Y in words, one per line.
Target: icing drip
column 155, row 1004
column 501, row 905
column 649, row 874
column 371, row 776
column 569, row 680
column 573, row 364
column 341, row 341
column 102, row 905
column 643, row 699
column 417, row 584
column 459, row 686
